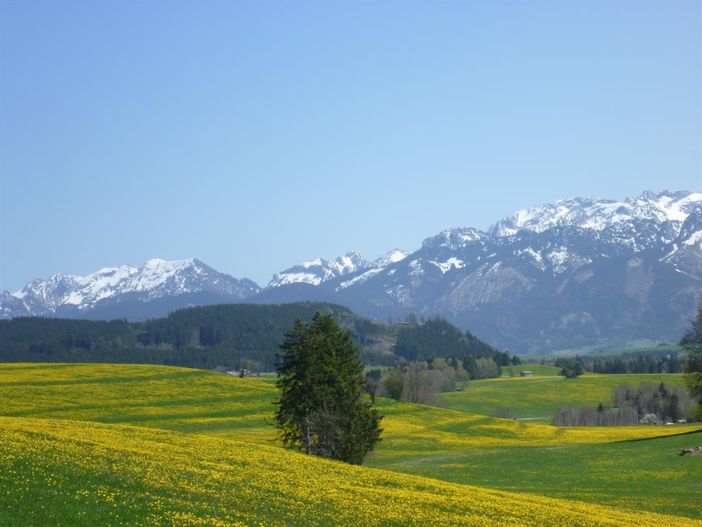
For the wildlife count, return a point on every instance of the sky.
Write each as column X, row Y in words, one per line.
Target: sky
column 256, row 135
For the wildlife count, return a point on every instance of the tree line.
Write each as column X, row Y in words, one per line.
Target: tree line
column 649, row 403
column 422, row 381
column 663, row 361
column 437, row 337
column 232, row 336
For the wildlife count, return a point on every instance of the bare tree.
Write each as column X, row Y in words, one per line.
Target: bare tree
column 393, row 383
column 649, row 403
column 372, row 383
column 486, row 368
column 421, row 385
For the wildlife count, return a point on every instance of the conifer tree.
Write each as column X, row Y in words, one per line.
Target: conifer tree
column 321, row 409
column 692, row 343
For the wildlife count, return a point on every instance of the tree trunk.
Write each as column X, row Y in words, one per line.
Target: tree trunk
column 308, row 433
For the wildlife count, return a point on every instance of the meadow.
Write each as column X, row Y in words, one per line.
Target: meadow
column 540, row 397
column 190, row 447
column 536, row 368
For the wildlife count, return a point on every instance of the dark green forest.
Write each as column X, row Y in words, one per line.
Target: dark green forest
column 668, row 359
column 438, row 338
column 228, row 336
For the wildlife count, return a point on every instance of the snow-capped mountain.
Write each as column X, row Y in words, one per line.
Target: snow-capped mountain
column 378, row 266
column 575, row 272
column 319, row 270
column 182, row 282
column 572, row 273
column 600, row 215
column 391, row 257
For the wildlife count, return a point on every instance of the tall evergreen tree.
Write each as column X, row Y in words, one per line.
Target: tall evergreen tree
column 692, row 343
column 321, row 409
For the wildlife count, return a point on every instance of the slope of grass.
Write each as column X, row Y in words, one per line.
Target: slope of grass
column 647, row 474
column 535, row 368
column 540, row 397
column 198, row 401
column 62, row 472
column 154, row 396
column 635, row 467
column 587, row 464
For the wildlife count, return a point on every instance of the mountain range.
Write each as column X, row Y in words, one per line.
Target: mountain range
column 158, row 287
column 569, row 274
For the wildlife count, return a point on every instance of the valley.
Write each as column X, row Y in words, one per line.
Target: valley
column 206, row 442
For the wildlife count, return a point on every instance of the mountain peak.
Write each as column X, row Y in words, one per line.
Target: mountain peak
column 350, row 262
column 551, row 275
column 600, row 214
column 319, row 270
column 454, row 238
column 391, row 257
column 157, row 278
column 169, row 265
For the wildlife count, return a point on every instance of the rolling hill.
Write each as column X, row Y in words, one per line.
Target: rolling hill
column 539, row 397
column 140, row 444
column 61, row 472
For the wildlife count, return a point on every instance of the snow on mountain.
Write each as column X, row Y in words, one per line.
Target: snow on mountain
column 575, row 272
column 569, row 273
column 600, row 214
column 359, row 279
column 391, row 257
column 455, row 238
column 555, row 238
column 694, row 239
column 319, row 270
column 451, row 263
column 378, row 265
column 157, row 278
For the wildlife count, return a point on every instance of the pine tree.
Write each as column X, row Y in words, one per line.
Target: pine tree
column 692, row 343
column 321, row 409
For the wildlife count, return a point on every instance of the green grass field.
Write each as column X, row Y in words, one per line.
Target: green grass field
column 540, row 397
column 535, row 368
column 64, row 472
column 154, row 419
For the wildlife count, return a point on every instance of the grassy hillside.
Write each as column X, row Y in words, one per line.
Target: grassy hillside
column 61, row 472
column 633, row 475
column 164, row 397
column 540, row 397
column 198, row 401
column 535, row 368
column 584, row 464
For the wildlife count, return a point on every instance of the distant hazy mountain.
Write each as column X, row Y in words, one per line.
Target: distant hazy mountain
column 157, row 287
column 571, row 273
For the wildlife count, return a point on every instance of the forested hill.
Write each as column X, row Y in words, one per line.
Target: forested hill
column 434, row 337
column 230, row 336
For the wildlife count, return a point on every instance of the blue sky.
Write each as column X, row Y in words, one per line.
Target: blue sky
column 254, row 135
